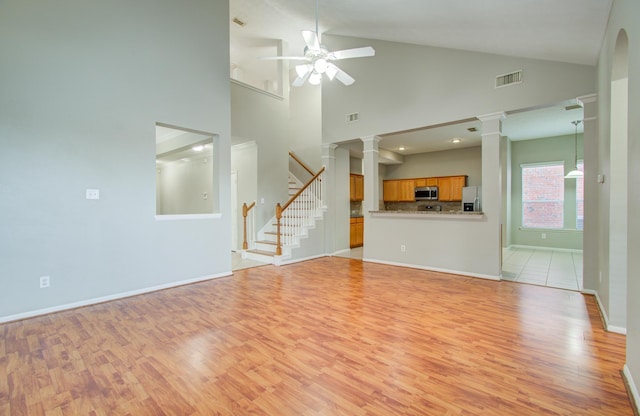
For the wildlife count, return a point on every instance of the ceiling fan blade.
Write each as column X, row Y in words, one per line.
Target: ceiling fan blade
column 343, row 77
column 303, row 69
column 299, row 81
column 352, row 53
column 311, row 39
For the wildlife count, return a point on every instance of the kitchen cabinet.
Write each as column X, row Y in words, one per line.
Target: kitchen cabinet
column 356, row 187
column 450, row 188
column 426, row 182
column 398, row 190
column 356, row 237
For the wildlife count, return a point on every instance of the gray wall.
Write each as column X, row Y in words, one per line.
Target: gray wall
column 624, row 15
column 545, row 150
column 263, row 118
column 408, row 86
column 244, row 162
column 467, row 161
column 83, row 85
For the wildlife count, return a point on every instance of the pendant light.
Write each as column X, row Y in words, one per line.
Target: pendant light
column 575, row 173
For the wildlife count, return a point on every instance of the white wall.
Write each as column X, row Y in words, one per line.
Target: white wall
column 83, row 85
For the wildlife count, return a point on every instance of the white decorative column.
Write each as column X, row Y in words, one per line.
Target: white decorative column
column 370, row 171
column 493, row 147
column 329, row 195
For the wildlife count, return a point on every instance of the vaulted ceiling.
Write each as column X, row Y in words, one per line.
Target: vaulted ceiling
column 558, row 30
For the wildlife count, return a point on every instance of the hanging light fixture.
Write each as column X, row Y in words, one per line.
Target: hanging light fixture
column 575, row 173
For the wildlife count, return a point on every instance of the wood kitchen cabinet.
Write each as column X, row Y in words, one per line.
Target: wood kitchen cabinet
column 403, row 190
column 450, row 188
column 356, row 187
column 398, row 190
column 356, row 237
column 426, row 182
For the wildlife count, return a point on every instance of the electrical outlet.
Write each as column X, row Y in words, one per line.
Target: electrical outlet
column 403, row 248
column 543, row 236
column 45, row 281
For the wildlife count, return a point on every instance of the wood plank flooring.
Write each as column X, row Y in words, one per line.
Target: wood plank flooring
column 331, row 336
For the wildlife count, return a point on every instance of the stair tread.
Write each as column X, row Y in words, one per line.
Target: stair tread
column 273, row 243
column 262, row 252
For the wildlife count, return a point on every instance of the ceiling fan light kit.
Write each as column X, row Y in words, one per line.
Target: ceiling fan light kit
column 318, row 60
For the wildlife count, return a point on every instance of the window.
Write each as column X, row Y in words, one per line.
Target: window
column 580, row 198
column 543, row 195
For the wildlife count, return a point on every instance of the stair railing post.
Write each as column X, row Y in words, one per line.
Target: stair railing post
column 278, row 217
column 245, row 210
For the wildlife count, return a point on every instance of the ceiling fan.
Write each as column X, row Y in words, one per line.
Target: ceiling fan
column 318, row 60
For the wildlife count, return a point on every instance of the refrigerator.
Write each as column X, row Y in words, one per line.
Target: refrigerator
column 472, row 198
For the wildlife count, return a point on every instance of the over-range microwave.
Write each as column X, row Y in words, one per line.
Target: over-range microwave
column 426, row 193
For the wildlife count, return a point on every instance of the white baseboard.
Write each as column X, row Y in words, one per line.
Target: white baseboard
column 603, row 313
column 337, row 253
column 94, row 301
column 291, row 261
column 569, row 250
column 434, row 269
column 633, row 389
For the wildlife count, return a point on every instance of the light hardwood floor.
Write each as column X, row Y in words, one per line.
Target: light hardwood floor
column 331, row 336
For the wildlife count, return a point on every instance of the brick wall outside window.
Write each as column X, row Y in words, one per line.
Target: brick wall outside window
column 543, row 195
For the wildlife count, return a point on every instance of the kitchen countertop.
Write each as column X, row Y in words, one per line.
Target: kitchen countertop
column 429, row 214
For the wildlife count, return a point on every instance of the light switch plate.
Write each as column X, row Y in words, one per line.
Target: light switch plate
column 93, row 194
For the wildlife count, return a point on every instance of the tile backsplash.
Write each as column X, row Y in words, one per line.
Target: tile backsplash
column 422, row 206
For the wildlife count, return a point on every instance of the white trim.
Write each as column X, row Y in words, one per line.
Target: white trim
column 102, row 299
column 568, row 250
column 284, row 263
column 538, row 164
column 434, row 269
column 344, row 251
column 608, row 327
column 256, row 89
column 633, row 390
column 179, row 217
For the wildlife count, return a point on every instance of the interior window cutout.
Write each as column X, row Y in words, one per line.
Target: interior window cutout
column 186, row 175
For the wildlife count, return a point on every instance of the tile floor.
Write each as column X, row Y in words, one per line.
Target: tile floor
column 237, row 262
column 544, row 267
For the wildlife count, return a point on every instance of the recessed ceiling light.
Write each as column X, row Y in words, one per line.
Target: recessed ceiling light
column 198, row 148
column 456, row 140
column 401, row 148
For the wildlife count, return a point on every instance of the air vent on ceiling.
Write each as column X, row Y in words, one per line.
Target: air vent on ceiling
column 509, row 79
column 350, row 118
column 238, row 22
column 472, row 129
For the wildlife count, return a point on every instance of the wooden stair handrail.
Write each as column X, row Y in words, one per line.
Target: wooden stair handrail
column 245, row 211
column 280, row 209
column 301, row 163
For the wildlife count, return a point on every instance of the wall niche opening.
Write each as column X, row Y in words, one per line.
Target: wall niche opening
column 186, row 175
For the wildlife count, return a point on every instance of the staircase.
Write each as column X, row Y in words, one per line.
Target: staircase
column 298, row 215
